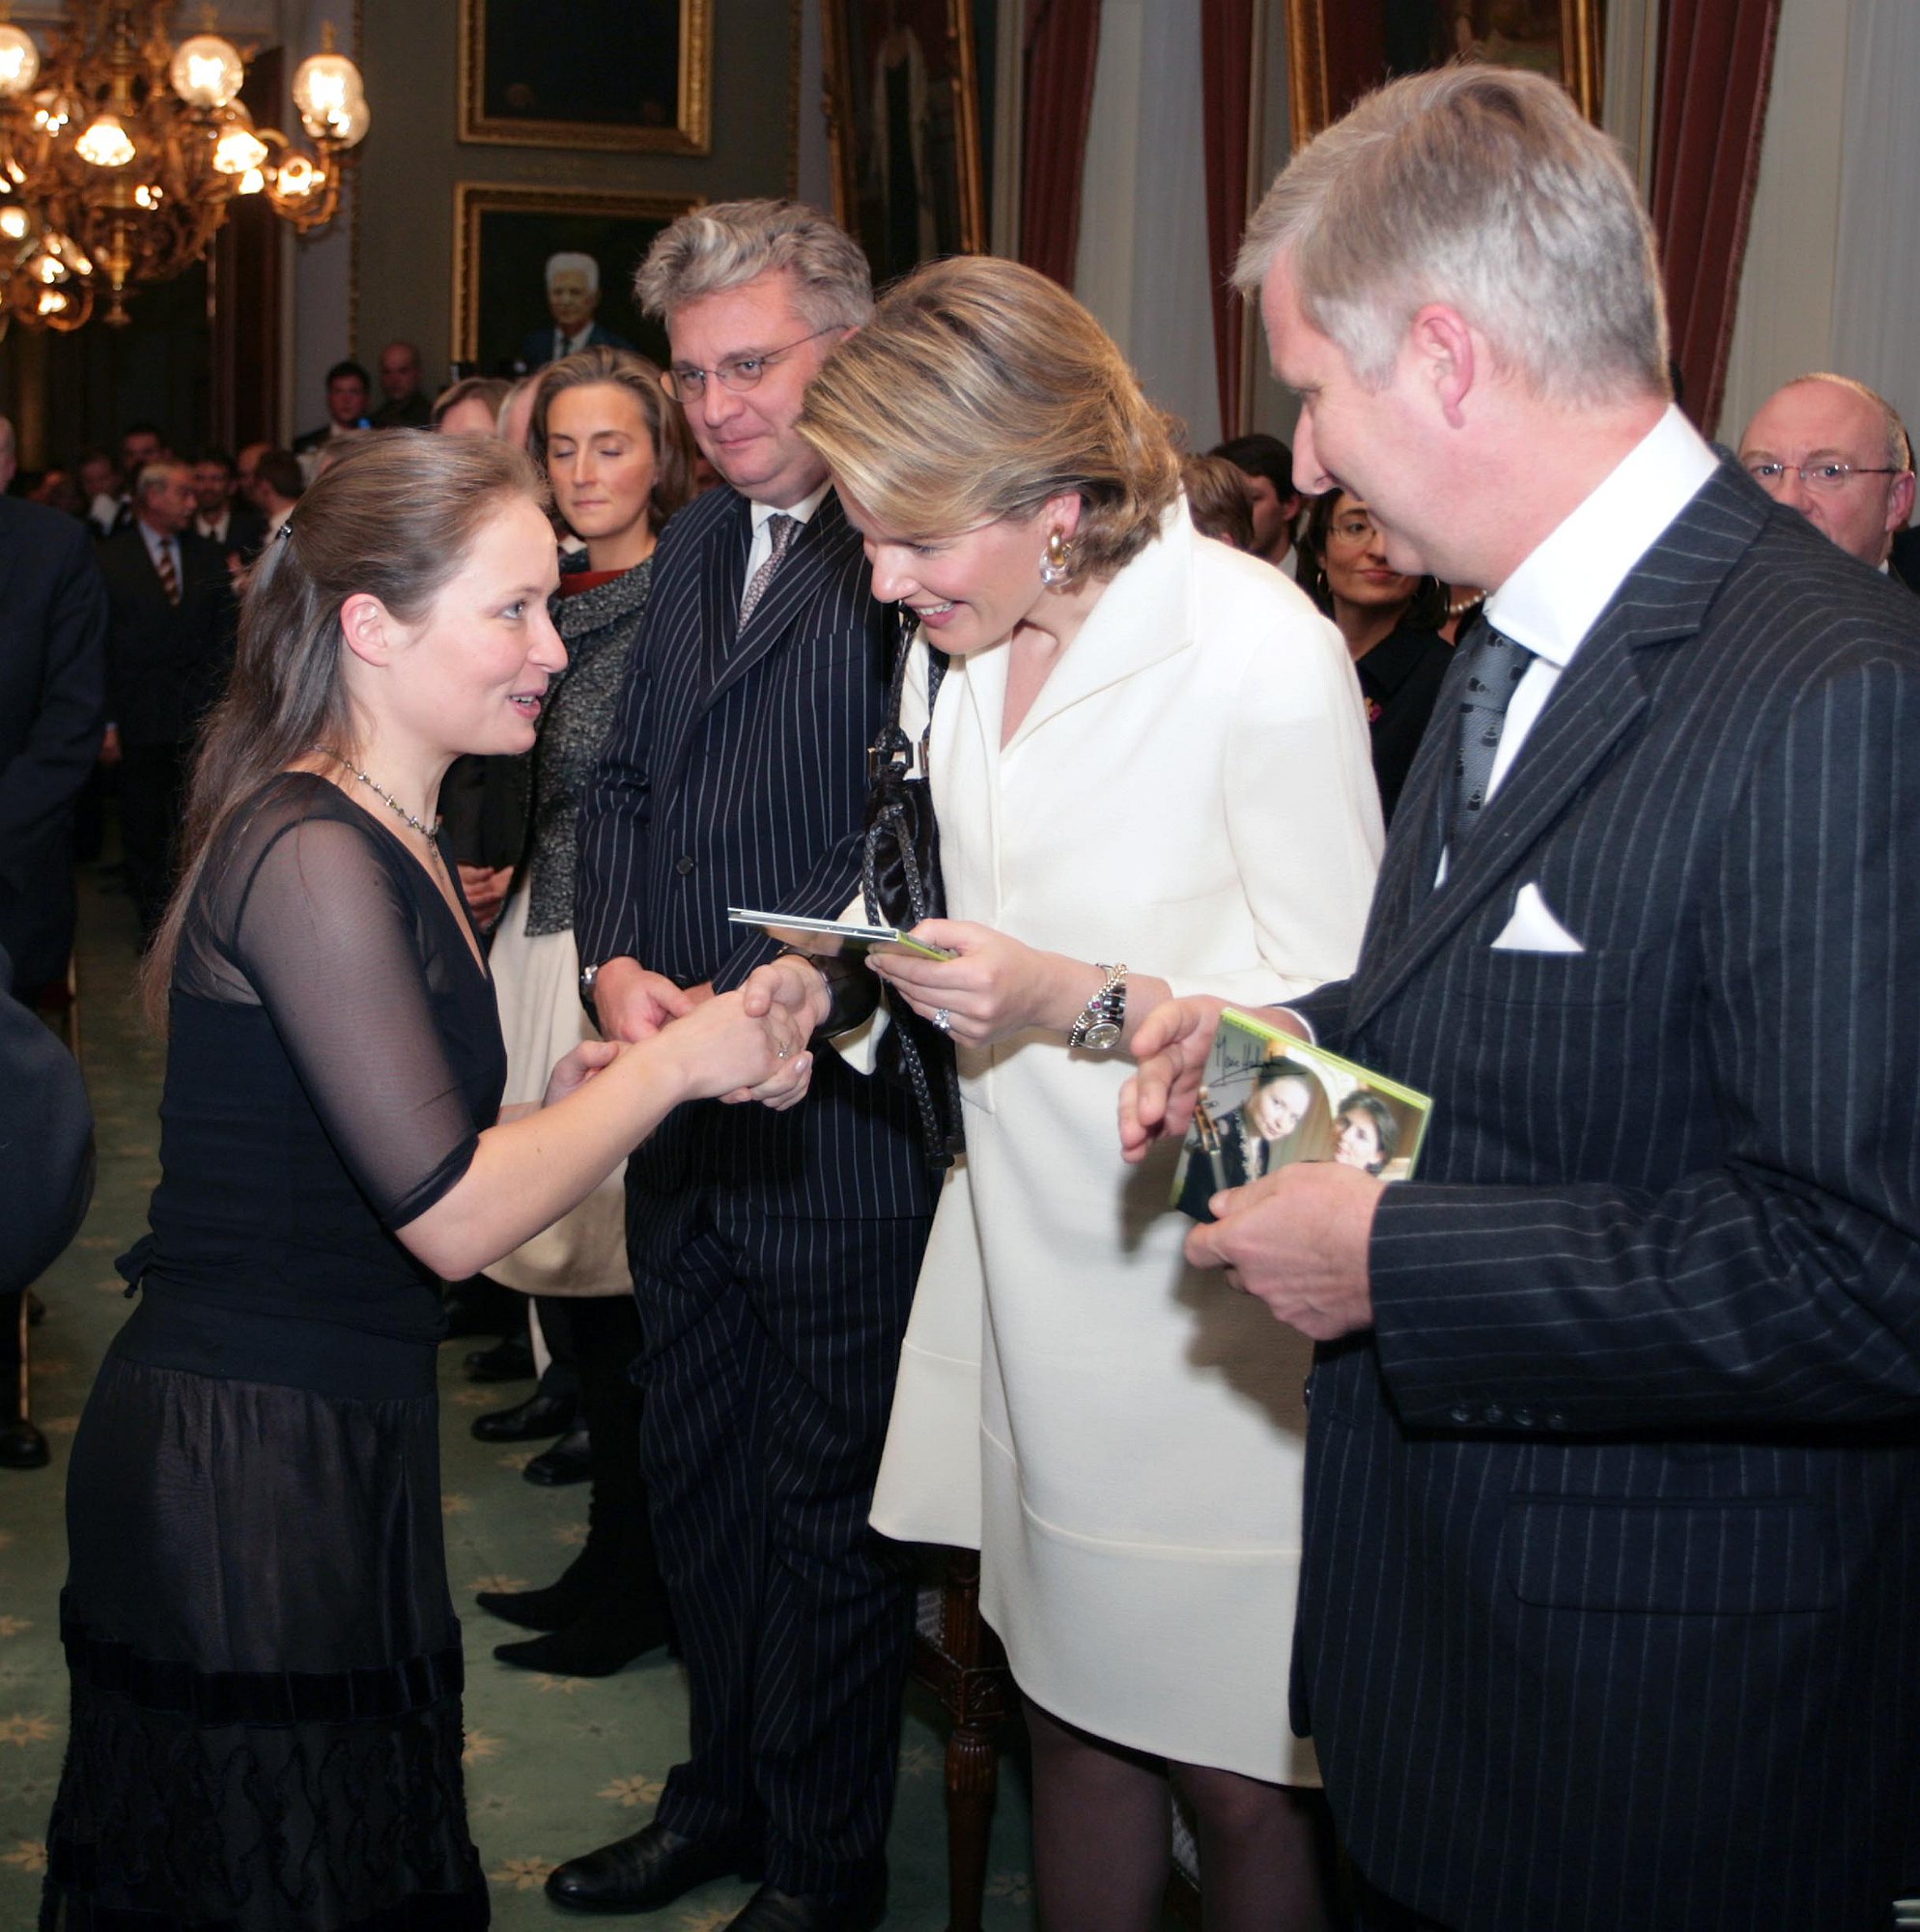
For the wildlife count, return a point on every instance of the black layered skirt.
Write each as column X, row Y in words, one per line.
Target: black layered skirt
column 265, row 1660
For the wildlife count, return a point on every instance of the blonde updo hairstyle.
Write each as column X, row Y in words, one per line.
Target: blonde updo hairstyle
column 981, row 389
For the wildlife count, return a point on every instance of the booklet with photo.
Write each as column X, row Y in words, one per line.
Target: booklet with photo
column 1269, row 1100
column 829, row 938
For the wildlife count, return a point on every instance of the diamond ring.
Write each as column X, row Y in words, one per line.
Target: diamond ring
column 943, row 1019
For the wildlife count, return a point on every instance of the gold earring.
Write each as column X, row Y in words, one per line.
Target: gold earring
column 1056, row 564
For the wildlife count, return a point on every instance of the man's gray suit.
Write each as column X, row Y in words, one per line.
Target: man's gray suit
column 1610, row 1614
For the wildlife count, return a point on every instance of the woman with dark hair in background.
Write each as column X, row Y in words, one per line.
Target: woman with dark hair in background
column 1390, row 622
column 618, row 457
column 265, row 1660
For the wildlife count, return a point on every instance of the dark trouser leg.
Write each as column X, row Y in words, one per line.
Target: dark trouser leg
column 150, row 807
column 769, row 1382
column 836, row 1629
column 700, row 1451
column 607, row 1340
column 561, row 1376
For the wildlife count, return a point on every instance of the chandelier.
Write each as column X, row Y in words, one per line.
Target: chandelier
column 120, row 153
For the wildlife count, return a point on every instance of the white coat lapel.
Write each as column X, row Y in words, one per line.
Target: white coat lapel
column 1145, row 617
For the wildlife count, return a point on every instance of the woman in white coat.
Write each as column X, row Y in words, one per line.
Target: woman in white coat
column 1150, row 767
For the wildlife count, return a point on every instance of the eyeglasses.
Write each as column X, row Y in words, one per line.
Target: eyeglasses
column 1825, row 476
column 1353, row 529
column 687, row 384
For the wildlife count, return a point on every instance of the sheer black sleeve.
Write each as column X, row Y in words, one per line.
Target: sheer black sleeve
column 310, row 915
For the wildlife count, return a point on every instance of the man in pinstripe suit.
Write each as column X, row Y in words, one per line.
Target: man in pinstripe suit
column 774, row 1257
column 1610, row 1606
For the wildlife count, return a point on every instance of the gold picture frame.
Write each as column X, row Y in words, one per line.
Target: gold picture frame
column 502, row 235
column 904, row 203
column 527, row 80
column 1337, row 50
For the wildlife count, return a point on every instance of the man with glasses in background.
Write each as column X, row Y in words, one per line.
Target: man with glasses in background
column 1830, row 449
column 774, row 1260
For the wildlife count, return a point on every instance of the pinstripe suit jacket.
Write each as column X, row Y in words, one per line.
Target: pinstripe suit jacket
column 1610, row 1614
column 735, row 774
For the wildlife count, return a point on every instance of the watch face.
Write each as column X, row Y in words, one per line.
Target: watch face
column 1100, row 1037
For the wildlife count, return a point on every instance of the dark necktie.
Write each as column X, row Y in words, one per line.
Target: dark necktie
column 169, row 576
column 1495, row 664
column 781, row 530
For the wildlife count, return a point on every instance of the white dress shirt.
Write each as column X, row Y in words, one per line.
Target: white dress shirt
column 1553, row 600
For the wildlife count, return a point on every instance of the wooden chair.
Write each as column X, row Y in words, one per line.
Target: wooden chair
column 958, row 1658
column 961, row 1662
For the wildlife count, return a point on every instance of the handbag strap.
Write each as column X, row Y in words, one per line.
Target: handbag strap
column 889, row 768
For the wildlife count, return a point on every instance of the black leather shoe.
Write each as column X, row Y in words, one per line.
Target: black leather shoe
column 569, row 1461
column 614, row 1629
column 508, row 1360
column 649, row 1868
column 560, row 1603
column 23, row 1447
column 527, row 1421
column 770, row 1909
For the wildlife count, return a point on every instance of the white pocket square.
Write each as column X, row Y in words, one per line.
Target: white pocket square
column 1533, row 928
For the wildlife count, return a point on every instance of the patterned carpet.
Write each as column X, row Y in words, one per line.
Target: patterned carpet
column 555, row 1765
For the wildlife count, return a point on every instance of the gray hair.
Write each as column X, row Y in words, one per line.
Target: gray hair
column 151, row 474
column 710, row 250
column 1899, row 447
column 1481, row 188
column 568, row 258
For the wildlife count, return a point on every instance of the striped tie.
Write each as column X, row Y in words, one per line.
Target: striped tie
column 169, row 576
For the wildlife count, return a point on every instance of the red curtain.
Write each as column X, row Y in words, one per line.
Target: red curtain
column 1226, row 79
column 1061, row 42
column 1716, row 66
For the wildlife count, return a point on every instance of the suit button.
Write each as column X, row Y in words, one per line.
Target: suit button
column 1523, row 1418
column 1495, row 1414
column 1307, row 1393
column 1555, row 1419
column 683, row 864
column 1461, row 1412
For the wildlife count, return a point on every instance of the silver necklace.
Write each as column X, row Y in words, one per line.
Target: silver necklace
column 429, row 833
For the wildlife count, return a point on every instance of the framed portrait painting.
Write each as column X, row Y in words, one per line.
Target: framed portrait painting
column 507, row 307
column 1338, row 49
column 903, row 121
column 595, row 73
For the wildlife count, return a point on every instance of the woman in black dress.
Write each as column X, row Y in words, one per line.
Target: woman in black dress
column 265, row 1660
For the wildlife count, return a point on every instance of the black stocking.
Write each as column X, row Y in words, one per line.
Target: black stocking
column 1266, row 1853
column 1102, row 1830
